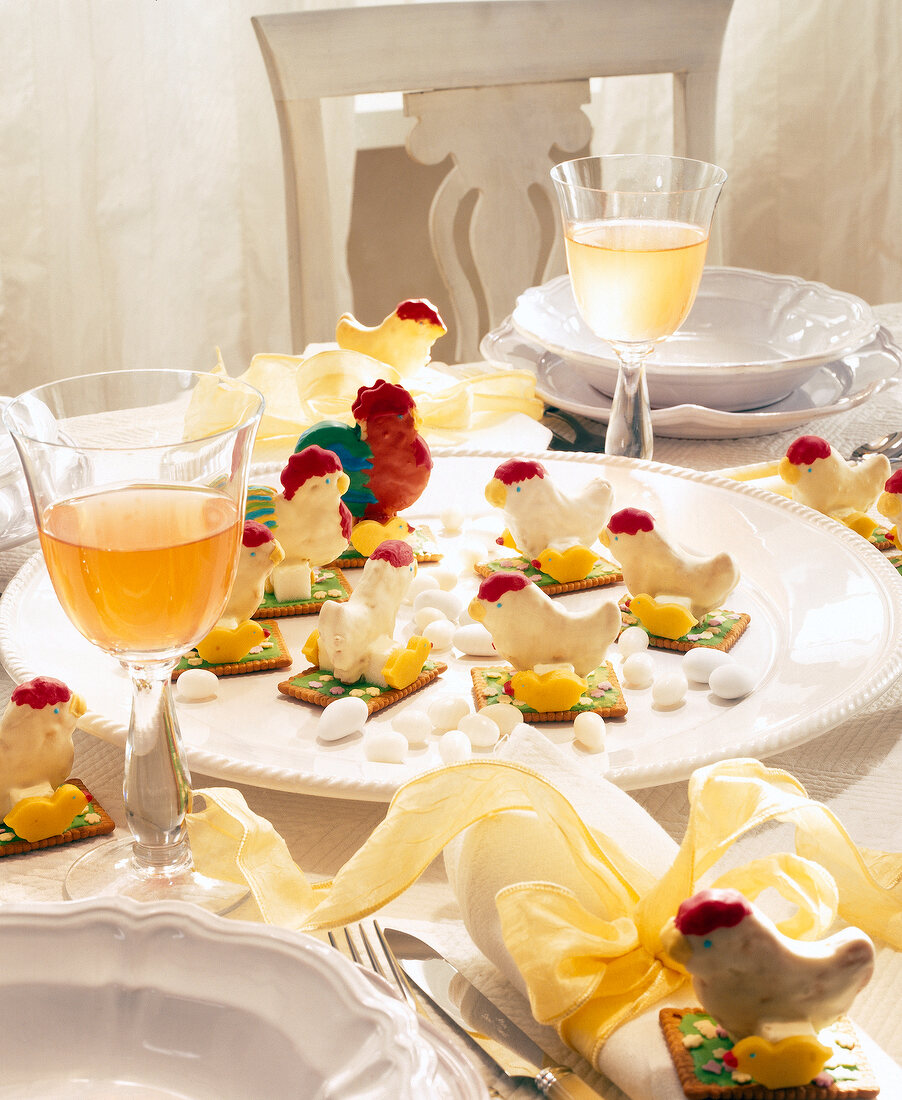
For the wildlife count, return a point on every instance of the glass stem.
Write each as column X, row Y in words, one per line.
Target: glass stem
column 157, row 787
column 629, row 426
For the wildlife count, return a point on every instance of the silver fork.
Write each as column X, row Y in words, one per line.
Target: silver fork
column 393, row 975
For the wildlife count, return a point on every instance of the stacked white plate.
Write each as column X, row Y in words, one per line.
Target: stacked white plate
column 758, row 353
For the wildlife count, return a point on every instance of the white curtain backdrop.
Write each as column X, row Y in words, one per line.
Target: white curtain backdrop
column 141, row 194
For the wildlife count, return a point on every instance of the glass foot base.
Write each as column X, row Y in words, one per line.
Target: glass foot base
column 111, row 870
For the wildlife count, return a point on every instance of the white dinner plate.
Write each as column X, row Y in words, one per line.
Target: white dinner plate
column 826, row 612
column 751, row 338
column 121, row 999
column 833, row 388
column 16, row 516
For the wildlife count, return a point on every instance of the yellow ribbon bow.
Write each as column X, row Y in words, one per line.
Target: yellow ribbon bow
column 587, row 970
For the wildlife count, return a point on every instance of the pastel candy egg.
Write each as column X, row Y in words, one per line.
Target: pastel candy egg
column 422, row 582
column 452, row 520
column 446, row 711
column 455, row 747
column 470, row 553
column 504, row 715
column 588, row 730
column 384, row 746
column 731, row 681
column 423, row 616
column 342, row 718
column 474, row 641
column 482, row 731
column 449, row 603
column 638, row 670
column 632, row 640
column 447, row 578
column 414, row 724
column 440, row 632
column 669, row 690
column 197, row 684
column 699, row 663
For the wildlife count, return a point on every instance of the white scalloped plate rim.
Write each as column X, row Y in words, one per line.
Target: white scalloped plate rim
column 382, row 781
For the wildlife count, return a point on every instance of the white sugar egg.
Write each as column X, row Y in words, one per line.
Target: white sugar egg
column 633, row 640
column 423, row 616
column 446, row 711
column 196, row 685
column 455, row 747
column 440, row 632
column 422, row 582
column 452, row 520
column 415, row 724
column 699, row 663
column 482, row 731
column 342, row 718
column 384, row 746
column 504, row 715
column 588, row 730
column 474, row 641
column 669, row 690
column 731, row 681
column 447, row 578
column 449, row 603
column 638, row 670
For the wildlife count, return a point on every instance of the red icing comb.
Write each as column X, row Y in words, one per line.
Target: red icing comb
column 806, row 449
column 711, row 909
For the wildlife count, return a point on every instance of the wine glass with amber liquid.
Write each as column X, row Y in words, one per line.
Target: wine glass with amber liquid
column 636, row 233
column 138, row 481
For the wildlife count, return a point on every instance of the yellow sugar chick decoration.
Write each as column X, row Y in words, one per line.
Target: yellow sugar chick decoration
column 41, row 816
column 404, row 665
column 556, row 689
column 369, row 533
column 664, row 620
column 573, row 564
column 226, row 645
column 789, row 1063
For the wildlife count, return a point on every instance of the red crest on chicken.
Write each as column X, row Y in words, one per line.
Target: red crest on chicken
column 393, row 551
column 312, row 461
column 255, row 534
column 630, row 521
column 42, row 691
column 382, row 399
column 806, row 449
column 894, row 483
column 518, row 469
column 499, row 584
column 710, row 909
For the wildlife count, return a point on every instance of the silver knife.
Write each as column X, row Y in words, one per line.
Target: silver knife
column 510, row 1049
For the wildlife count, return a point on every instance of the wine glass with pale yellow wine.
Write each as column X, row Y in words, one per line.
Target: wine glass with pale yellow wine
column 636, row 233
column 138, row 481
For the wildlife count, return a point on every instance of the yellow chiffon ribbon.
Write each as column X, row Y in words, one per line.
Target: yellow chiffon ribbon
column 302, row 390
column 587, row 970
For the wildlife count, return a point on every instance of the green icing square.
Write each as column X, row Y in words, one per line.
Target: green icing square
column 709, row 625
column 596, row 696
column 326, row 586
column 274, row 650
column 315, row 679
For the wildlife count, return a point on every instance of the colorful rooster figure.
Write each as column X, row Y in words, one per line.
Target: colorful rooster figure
column 823, row 480
column 403, row 340
column 556, row 531
column 551, row 647
column 771, row 994
column 36, row 754
column 309, row 519
column 383, row 454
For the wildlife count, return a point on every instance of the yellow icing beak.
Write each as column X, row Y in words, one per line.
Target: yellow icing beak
column 277, row 555
column 604, row 537
column 788, row 471
column 476, row 609
column 495, row 493
column 77, row 705
column 344, row 483
column 675, row 947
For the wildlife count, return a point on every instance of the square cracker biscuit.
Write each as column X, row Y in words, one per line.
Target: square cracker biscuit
column 604, row 695
column 322, row 688
column 93, row 821
column 275, row 655
column 603, row 573
column 330, row 584
column 856, row 1083
column 718, row 630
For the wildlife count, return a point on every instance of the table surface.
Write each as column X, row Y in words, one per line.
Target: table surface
column 855, row 769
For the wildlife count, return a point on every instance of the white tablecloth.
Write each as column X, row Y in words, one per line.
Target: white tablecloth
column 856, row 769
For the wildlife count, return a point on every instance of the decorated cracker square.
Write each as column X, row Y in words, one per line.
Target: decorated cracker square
column 602, row 695
column 271, row 653
column 92, row 821
column 717, row 630
column 321, row 688
column 602, row 573
column 421, row 540
column 329, row 583
column 697, row 1046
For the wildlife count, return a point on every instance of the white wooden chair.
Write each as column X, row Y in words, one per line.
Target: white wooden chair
column 498, row 85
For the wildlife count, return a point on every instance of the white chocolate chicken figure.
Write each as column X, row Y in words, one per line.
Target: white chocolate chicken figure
column 660, row 570
column 824, row 481
column 235, row 634
column 554, row 646
column 771, row 993
column 355, row 639
column 552, row 529
column 309, row 518
column 889, row 503
column 403, row 339
column 36, row 749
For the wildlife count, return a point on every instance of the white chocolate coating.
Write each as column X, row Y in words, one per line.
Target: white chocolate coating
column 36, row 749
column 833, row 486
